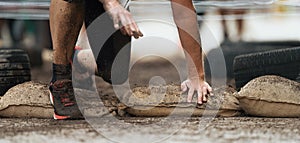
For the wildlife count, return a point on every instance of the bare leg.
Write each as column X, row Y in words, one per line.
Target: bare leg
column 223, row 12
column 240, row 23
column 66, row 19
column 65, row 22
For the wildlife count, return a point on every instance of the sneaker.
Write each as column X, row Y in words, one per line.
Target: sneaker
column 63, row 100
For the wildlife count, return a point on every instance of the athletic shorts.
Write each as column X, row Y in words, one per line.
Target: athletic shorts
column 111, row 47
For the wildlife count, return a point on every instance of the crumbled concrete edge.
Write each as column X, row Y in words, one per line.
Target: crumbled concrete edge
column 277, row 86
column 223, row 103
column 26, row 100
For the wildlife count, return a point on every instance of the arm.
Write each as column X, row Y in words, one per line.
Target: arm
column 122, row 18
column 186, row 20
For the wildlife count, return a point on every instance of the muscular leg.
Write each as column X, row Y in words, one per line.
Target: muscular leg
column 223, row 13
column 66, row 19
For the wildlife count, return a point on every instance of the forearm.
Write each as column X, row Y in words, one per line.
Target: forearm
column 186, row 20
column 193, row 54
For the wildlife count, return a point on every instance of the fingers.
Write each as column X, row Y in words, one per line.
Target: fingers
column 123, row 31
column 210, row 90
column 190, row 94
column 204, row 93
column 124, row 24
column 200, row 95
column 184, row 87
column 203, row 90
column 136, row 33
column 130, row 26
column 123, row 20
column 206, row 90
column 135, row 30
column 116, row 21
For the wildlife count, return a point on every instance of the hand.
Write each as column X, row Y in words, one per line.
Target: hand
column 122, row 19
column 203, row 89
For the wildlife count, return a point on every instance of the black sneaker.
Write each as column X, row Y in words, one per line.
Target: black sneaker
column 63, row 100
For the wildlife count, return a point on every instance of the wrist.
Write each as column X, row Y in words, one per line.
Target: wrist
column 194, row 74
column 109, row 3
column 200, row 77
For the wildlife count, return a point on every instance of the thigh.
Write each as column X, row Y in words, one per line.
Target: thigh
column 112, row 46
column 93, row 9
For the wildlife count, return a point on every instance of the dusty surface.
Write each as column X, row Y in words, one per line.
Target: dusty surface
column 238, row 129
column 169, row 99
column 233, row 129
column 30, row 99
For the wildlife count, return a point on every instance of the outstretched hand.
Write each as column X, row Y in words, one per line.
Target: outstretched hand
column 122, row 18
column 202, row 88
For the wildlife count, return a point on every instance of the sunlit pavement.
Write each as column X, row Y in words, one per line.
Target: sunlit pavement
column 238, row 129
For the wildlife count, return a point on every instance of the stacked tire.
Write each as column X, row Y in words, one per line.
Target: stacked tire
column 14, row 68
column 282, row 62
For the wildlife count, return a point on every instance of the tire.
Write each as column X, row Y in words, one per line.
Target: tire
column 283, row 62
column 14, row 68
column 233, row 49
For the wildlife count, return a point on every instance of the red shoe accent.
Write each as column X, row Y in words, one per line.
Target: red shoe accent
column 58, row 117
column 77, row 48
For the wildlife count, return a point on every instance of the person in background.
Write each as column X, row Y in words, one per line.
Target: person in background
column 239, row 21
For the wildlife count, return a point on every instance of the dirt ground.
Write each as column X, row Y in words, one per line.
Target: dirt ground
column 238, row 129
column 147, row 129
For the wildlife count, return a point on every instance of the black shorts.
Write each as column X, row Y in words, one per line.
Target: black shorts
column 112, row 46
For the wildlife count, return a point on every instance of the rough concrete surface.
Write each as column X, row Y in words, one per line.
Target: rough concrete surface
column 145, row 129
column 237, row 129
column 30, row 99
column 158, row 101
column 271, row 96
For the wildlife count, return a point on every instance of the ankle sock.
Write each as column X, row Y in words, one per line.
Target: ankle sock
column 61, row 72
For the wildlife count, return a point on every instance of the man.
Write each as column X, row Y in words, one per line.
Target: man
column 239, row 21
column 66, row 19
column 65, row 31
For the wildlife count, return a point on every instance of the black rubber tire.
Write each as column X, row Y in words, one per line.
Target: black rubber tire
column 231, row 50
column 14, row 68
column 283, row 62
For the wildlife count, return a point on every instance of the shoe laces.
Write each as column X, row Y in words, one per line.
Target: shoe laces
column 65, row 91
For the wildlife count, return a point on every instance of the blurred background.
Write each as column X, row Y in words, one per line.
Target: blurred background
column 234, row 27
